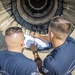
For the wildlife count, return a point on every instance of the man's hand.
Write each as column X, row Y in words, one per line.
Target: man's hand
column 33, row 47
column 36, row 35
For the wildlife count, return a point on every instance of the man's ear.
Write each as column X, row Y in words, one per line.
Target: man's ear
column 23, row 44
column 52, row 35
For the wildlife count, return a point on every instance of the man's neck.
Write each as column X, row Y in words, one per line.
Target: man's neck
column 14, row 50
column 57, row 43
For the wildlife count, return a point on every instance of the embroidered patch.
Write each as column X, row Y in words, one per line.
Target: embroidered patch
column 45, row 70
column 34, row 73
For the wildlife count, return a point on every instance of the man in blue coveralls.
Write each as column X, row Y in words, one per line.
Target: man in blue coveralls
column 61, row 61
column 12, row 61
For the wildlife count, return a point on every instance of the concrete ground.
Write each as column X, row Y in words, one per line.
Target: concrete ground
column 29, row 53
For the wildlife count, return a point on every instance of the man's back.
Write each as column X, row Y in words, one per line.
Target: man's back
column 61, row 58
column 15, row 63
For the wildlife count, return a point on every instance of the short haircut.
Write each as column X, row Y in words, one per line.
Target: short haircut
column 60, row 26
column 12, row 30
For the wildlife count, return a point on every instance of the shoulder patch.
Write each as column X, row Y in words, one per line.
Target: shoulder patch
column 35, row 73
column 45, row 70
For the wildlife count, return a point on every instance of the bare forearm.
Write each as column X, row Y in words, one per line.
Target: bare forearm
column 37, row 58
column 44, row 37
column 38, row 61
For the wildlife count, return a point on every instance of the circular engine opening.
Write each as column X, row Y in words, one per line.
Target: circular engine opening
column 36, row 13
column 37, row 8
column 37, row 4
